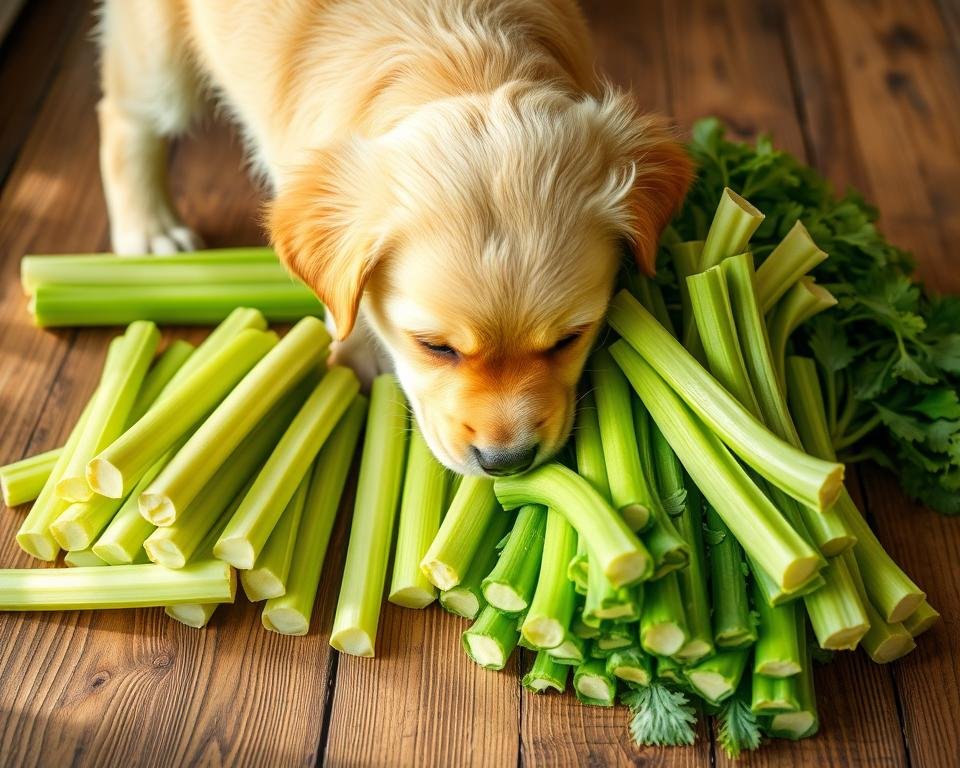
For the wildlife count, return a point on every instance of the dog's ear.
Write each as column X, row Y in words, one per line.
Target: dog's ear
column 325, row 227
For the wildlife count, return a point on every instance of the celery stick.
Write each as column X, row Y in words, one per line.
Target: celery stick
column 733, row 623
column 247, row 533
column 453, row 548
column 616, row 636
column 883, row 641
column 571, row 651
column 290, row 614
column 594, row 685
column 774, row 695
column 116, row 469
column 686, row 262
column 717, row 677
column 201, row 456
column 813, row 481
column 804, row 721
column 605, row 601
column 755, row 522
column 378, row 496
column 630, row 664
column 268, row 577
column 838, row 617
column 663, row 623
column 629, row 490
column 121, row 586
column 591, row 463
column 424, row 500
column 922, row 619
column 777, row 652
column 82, row 558
column 551, row 610
column 79, row 525
column 583, row 630
column 174, row 357
column 491, row 638
column 611, row 543
column 466, row 599
column 670, row 670
column 799, row 304
column 509, row 586
column 21, row 481
column 546, row 673
column 733, row 224
column 111, row 405
column 796, row 255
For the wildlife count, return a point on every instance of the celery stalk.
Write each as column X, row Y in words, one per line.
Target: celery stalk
column 836, row 613
column 774, row 695
column 605, row 601
column 121, row 586
column 548, row 619
column 248, row 531
column 631, row 665
column 583, row 630
column 777, row 652
column 449, row 555
column 686, row 262
column 466, row 599
column 571, row 651
column 663, row 622
column 509, row 586
column 796, row 255
column 112, row 404
column 922, row 619
column 733, row 624
column 173, row 358
column 591, row 463
column 256, row 393
column 491, row 638
column 116, row 469
column 594, row 685
column 378, row 496
column 733, row 224
column 670, row 670
column 425, row 490
column 21, row 481
column 83, row 558
column 79, row 525
column 804, row 721
column 883, row 641
column 799, row 304
column 813, row 481
column 546, row 673
column 717, row 677
column 615, row 636
column 290, row 614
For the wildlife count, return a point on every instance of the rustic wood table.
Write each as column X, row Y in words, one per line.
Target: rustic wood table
column 868, row 91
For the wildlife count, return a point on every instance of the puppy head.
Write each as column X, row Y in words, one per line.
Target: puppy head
column 485, row 233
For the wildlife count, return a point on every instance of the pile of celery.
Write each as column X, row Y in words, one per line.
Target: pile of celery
column 188, row 466
column 199, row 288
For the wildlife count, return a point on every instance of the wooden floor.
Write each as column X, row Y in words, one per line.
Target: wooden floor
column 868, row 91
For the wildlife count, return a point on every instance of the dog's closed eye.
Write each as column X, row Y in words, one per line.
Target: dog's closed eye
column 439, row 349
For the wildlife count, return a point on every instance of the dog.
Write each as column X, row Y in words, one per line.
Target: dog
column 450, row 177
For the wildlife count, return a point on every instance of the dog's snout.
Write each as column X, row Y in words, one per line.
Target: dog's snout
column 501, row 461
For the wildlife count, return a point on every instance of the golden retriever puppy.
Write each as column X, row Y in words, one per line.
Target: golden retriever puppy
column 449, row 176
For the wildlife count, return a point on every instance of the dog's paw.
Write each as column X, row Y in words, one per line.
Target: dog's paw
column 154, row 237
column 363, row 353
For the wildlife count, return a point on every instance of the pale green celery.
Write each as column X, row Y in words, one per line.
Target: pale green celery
column 571, row 651
column 796, row 255
column 663, row 622
column 890, row 590
column 290, row 614
column 615, row 636
column 649, row 294
column 774, row 695
column 922, row 619
column 228, row 265
column 79, row 525
column 777, row 652
column 686, row 262
column 733, row 622
column 173, row 358
column 801, row 302
column 421, row 509
column 836, row 613
column 83, row 558
column 733, row 225
column 747, row 512
column 378, row 496
column 610, row 542
column 717, row 677
column 545, row 673
column 591, row 464
column 883, row 641
column 547, row 621
column 491, row 638
column 813, row 481
column 605, row 601
column 121, row 586
column 629, row 491
column 466, row 599
column 288, row 363
column 594, row 685
column 119, row 467
column 21, row 481
column 581, row 629
column 248, row 531
column 804, row 721
column 632, row 665
column 118, row 388
column 509, row 586
column 670, row 670
column 268, row 577
column 448, row 558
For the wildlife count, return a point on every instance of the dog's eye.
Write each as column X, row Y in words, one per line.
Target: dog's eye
column 444, row 350
column 566, row 341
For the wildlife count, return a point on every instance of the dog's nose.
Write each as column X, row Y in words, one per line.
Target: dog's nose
column 500, row 461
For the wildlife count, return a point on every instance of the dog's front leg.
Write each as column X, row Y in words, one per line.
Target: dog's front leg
column 362, row 351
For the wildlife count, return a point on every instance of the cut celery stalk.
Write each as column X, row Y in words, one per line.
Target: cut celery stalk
column 83, row 558
column 548, row 619
column 248, row 531
column 629, row 490
column 922, row 619
column 884, row 642
column 121, row 586
column 581, row 629
column 116, row 469
column 733, row 224
column 773, row 695
column 630, row 664
column 795, row 255
column 466, row 599
column 491, row 639
column 509, row 586
column 378, row 496
column 799, row 304
column 449, row 555
column 611, row 543
column 836, row 613
column 686, row 262
column 290, row 614
column 804, row 721
column 733, row 623
column 571, row 651
column 111, row 405
column 545, row 673
column 777, row 652
column 716, row 678
column 79, row 525
column 268, row 577
column 810, row 480
column 591, row 463
column 594, row 686
column 273, row 376
column 173, row 358
column 752, row 518
column 21, row 481
column 616, row 636
column 670, row 670
column 663, row 623
column 425, row 489
column 605, row 601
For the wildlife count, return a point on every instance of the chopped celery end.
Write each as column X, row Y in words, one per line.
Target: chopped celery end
column 196, row 615
column 716, row 678
column 922, row 619
column 771, row 695
column 461, row 602
column 81, row 558
column 836, row 612
column 594, row 686
column 571, row 651
column 734, row 222
column 796, row 255
column 546, row 673
column 509, row 586
column 466, row 599
column 23, row 480
column 793, row 725
column 491, row 639
column 631, row 665
column 548, row 619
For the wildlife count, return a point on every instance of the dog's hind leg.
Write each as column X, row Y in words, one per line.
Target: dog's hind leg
column 150, row 93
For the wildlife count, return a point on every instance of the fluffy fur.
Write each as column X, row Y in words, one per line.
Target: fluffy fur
column 449, row 177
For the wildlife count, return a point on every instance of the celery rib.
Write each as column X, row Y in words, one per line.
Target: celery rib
column 466, row 599
column 21, row 481
column 547, row 621
column 491, row 639
column 510, row 584
column 594, row 685
column 793, row 257
column 545, row 673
